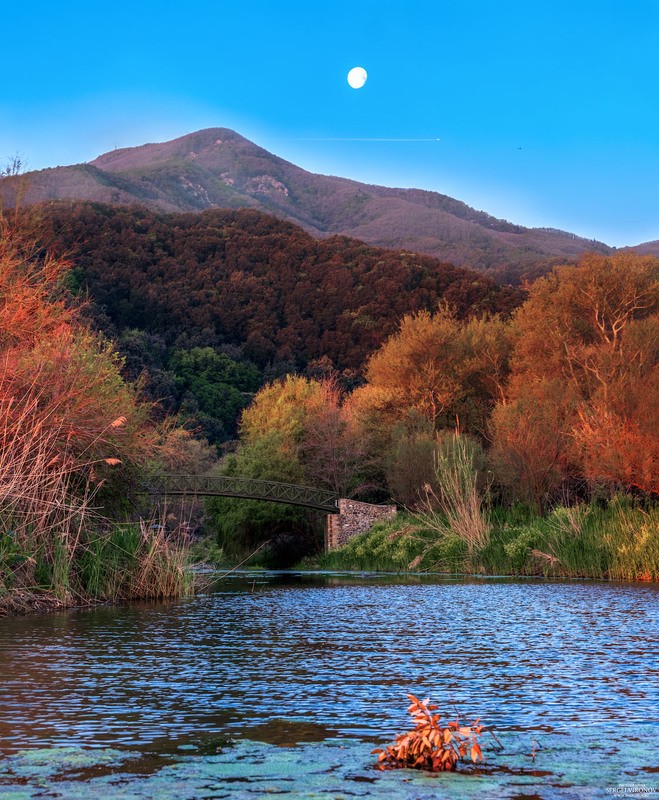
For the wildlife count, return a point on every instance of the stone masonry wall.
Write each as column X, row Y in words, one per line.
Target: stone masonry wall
column 353, row 518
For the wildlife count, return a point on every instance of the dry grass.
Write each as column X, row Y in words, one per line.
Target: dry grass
column 456, row 507
column 67, row 420
column 40, row 510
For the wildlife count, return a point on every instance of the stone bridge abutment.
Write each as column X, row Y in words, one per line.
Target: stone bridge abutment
column 353, row 518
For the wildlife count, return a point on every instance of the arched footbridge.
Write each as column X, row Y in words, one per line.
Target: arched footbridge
column 248, row 488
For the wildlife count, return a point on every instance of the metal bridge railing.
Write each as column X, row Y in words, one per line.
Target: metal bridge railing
column 249, row 488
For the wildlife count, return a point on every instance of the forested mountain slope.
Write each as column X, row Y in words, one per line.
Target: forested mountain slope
column 253, row 281
column 219, row 168
column 208, row 306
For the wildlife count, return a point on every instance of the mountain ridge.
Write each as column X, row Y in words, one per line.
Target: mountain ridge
column 219, row 168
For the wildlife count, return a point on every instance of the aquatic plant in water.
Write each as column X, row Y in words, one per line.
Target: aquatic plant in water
column 431, row 745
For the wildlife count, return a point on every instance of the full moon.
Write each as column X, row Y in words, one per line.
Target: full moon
column 357, row 77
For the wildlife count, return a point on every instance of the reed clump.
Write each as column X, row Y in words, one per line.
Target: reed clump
column 69, row 427
column 53, row 541
column 455, row 506
column 143, row 560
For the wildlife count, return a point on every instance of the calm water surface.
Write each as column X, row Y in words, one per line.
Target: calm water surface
column 285, row 658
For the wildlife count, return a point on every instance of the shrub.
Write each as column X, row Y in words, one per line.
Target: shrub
column 431, row 746
column 398, row 545
column 410, row 465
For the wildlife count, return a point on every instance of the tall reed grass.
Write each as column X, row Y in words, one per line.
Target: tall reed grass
column 40, row 512
column 52, row 538
column 455, row 506
column 135, row 561
column 67, row 420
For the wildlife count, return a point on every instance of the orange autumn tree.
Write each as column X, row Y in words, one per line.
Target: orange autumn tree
column 331, row 449
column 615, row 436
column 440, row 367
column 529, row 437
column 67, row 418
column 583, row 392
column 308, row 432
column 436, row 372
column 419, row 367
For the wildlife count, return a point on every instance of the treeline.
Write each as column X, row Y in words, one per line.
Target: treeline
column 558, row 404
column 565, row 394
column 209, row 306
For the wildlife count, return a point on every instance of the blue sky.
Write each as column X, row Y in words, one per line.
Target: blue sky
column 547, row 113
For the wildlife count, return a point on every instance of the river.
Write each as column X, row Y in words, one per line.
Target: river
column 282, row 683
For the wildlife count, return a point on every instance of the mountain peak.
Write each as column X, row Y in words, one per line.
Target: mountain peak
column 219, row 168
column 126, row 158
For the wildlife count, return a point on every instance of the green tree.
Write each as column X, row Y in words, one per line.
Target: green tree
column 271, row 435
column 295, row 431
column 218, row 386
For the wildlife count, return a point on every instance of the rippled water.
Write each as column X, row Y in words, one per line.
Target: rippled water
column 285, row 658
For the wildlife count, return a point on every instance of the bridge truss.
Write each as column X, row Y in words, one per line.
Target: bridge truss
column 248, row 488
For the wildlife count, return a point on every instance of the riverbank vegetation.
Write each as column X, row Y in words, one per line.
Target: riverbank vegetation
column 484, row 412
column 75, row 443
column 619, row 542
column 524, row 445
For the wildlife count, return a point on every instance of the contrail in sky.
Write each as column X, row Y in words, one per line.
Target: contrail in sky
column 354, row 139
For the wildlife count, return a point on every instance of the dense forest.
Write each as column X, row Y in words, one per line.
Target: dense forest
column 379, row 375
column 551, row 411
column 209, row 306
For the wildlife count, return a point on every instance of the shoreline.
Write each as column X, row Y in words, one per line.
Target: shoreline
column 22, row 603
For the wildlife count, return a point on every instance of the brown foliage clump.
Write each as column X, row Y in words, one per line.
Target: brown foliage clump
column 439, row 366
column 431, row 746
